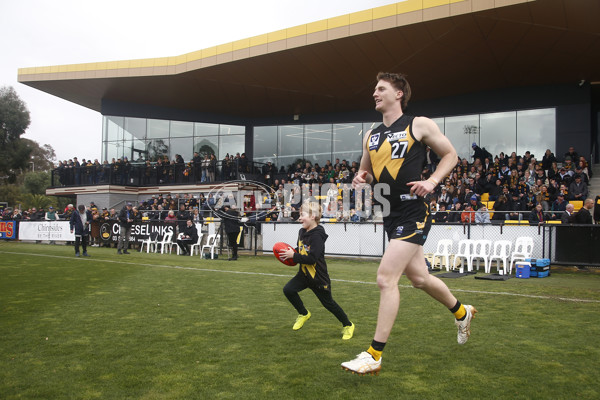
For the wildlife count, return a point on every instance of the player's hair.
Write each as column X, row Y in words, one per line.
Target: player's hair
column 313, row 209
column 399, row 82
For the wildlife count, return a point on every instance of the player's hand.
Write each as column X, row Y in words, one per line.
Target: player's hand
column 421, row 188
column 359, row 179
column 289, row 253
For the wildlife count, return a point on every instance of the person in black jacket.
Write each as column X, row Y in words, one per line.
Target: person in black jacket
column 231, row 223
column 188, row 236
column 312, row 272
column 125, row 222
column 80, row 223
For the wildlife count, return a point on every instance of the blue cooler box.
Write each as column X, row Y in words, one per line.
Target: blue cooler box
column 523, row 269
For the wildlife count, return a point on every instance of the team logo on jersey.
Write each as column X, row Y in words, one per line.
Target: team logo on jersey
column 373, row 141
column 399, row 230
column 394, row 137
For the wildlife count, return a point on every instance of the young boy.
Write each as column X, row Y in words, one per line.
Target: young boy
column 312, row 271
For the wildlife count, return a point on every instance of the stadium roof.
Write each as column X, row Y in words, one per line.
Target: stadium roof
column 446, row 47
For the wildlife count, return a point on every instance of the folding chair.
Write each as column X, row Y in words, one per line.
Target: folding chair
column 211, row 243
column 165, row 242
column 150, row 242
column 522, row 251
column 443, row 252
column 465, row 249
column 196, row 246
column 481, row 251
column 500, row 252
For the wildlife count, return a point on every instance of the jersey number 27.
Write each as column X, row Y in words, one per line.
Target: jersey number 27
column 399, row 149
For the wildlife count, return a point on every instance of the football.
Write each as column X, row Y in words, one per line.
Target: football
column 281, row 246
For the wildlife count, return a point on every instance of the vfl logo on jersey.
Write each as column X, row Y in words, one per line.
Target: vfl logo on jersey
column 394, row 137
column 399, row 230
column 373, row 141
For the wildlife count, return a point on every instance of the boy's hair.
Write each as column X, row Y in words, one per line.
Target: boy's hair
column 313, row 209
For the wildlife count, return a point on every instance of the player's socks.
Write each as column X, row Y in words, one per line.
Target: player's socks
column 376, row 349
column 459, row 311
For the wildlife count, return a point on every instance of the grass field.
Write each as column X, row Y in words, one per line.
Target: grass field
column 147, row 326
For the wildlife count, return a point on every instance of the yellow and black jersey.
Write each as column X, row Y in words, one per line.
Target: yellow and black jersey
column 396, row 157
column 311, row 257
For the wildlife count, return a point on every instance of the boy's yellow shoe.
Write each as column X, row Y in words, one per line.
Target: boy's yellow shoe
column 300, row 321
column 347, row 332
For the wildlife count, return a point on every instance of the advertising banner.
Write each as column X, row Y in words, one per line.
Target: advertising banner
column 45, row 230
column 109, row 231
column 8, row 229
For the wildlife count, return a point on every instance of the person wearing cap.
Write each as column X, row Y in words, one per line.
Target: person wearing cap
column 516, row 207
column 559, row 206
column 475, row 202
column 478, row 152
column 578, row 189
column 80, row 223
column 50, row 214
column 189, row 235
column 125, row 223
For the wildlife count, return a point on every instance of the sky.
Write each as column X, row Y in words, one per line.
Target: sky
column 46, row 33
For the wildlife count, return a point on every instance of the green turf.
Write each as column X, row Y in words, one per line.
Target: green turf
column 166, row 327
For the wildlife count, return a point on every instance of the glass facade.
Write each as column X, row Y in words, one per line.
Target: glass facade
column 140, row 138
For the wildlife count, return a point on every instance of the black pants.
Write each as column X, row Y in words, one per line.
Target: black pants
column 83, row 240
column 183, row 244
column 298, row 283
column 232, row 239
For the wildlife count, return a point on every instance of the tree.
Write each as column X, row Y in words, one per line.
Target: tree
column 14, row 120
column 42, row 158
column 36, row 182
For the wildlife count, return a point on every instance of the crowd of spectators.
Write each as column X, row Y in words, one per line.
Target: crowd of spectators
column 515, row 187
column 161, row 170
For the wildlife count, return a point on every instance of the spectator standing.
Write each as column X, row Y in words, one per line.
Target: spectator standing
column 567, row 217
column 230, row 218
column 125, row 223
column 584, row 215
column 80, row 223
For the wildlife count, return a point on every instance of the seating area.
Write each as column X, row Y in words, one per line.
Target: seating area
column 500, row 254
column 164, row 244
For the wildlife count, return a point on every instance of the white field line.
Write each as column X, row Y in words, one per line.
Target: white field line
column 531, row 296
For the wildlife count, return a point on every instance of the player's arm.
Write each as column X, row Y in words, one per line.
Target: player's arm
column 427, row 131
column 364, row 175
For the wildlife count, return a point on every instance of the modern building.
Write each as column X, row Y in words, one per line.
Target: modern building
column 511, row 75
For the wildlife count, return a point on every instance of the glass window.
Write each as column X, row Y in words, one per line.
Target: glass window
column 536, row 131
column 498, row 132
column 231, row 144
column 207, row 145
column 113, row 128
column 265, row 144
column 202, row 129
column 135, row 128
column 158, row 128
column 113, row 150
column 317, row 143
column 232, row 130
column 290, row 144
column 347, row 141
column 157, row 148
column 182, row 129
column 183, row 147
column 462, row 131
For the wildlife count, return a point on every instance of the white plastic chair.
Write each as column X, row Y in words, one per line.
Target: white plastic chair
column 211, row 243
column 500, row 253
column 443, row 252
column 165, row 242
column 196, row 246
column 150, row 242
column 465, row 250
column 523, row 250
column 481, row 251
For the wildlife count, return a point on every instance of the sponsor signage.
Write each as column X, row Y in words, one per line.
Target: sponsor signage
column 8, row 229
column 45, row 230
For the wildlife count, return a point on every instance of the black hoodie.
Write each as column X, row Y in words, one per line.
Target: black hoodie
column 311, row 257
